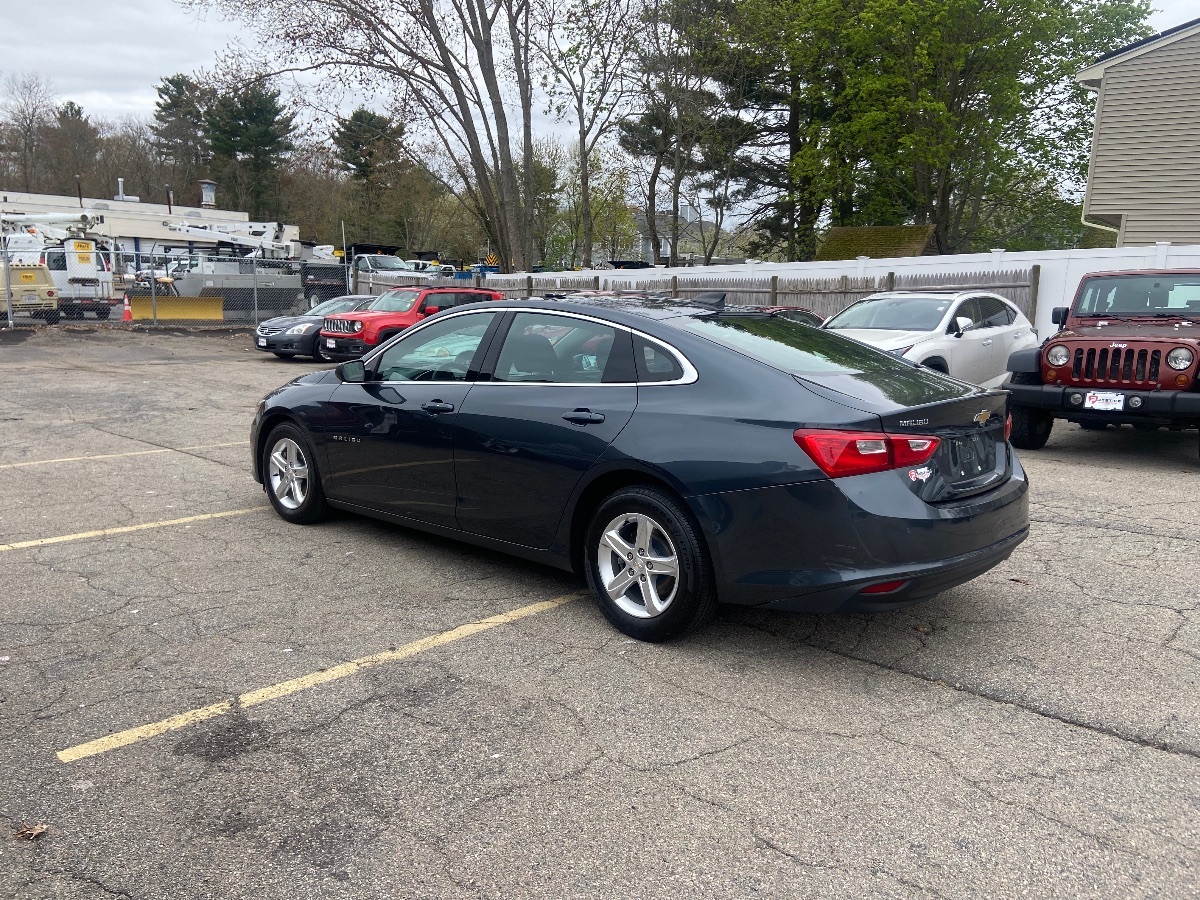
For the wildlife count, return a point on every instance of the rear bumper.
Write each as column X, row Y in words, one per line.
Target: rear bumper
column 1154, row 405
column 813, row 547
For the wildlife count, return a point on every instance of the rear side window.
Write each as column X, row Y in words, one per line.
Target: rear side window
column 792, row 347
column 56, row 260
column 655, row 362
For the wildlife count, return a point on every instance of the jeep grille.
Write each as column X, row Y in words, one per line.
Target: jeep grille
column 1116, row 366
column 340, row 326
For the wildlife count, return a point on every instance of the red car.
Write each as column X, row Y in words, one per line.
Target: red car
column 352, row 334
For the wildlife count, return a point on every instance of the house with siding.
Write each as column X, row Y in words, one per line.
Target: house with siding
column 1144, row 175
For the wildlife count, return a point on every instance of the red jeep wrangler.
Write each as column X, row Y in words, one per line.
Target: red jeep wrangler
column 353, row 334
column 1125, row 353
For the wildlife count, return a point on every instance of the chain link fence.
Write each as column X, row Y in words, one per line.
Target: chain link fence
column 178, row 289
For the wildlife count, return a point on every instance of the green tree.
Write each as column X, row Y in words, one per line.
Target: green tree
column 180, row 133
column 250, row 134
column 368, row 144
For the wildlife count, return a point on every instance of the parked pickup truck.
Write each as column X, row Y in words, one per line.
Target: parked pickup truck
column 33, row 292
column 1126, row 353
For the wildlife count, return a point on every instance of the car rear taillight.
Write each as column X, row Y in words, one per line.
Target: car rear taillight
column 884, row 587
column 49, row 293
column 843, row 453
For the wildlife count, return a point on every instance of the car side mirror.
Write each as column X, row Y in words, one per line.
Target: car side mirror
column 962, row 323
column 354, row 370
column 1058, row 315
column 430, row 310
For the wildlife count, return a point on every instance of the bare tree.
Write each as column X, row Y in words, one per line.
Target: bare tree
column 458, row 61
column 27, row 109
column 587, row 47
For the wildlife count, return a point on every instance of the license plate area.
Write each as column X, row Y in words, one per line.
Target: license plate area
column 1104, row 401
column 969, row 457
column 330, row 342
column 262, row 342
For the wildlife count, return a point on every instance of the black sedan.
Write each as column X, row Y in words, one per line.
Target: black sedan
column 288, row 336
column 678, row 454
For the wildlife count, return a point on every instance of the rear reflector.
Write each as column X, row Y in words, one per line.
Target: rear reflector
column 1008, row 428
column 884, row 587
column 843, row 453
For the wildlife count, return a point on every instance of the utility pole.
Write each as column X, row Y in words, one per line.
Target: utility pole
column 7, row 278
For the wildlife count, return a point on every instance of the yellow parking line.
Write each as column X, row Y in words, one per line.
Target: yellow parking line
column 66, row 459
column 126, row 529
column 304, row 682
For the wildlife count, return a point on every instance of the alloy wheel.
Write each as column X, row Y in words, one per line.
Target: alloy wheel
column 288, row 473
column 639, row 567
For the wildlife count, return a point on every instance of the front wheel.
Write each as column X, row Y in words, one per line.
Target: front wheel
column 290, row 476
column 647, row 565
column 317, row 353
column 1030, row 427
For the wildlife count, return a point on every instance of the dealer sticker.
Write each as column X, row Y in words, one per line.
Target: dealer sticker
column 1104, row 401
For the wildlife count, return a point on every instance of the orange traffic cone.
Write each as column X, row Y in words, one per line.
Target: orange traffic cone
column 127, row 315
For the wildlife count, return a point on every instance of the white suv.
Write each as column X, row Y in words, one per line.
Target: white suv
column 967, row 334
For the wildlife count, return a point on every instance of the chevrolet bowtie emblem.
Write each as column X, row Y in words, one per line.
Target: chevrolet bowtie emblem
column 983, row 416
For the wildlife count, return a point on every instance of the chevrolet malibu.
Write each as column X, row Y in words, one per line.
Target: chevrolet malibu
column 677, row 454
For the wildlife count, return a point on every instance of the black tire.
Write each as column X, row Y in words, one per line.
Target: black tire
column 301, row 504
column 285, row 355
column 103, row 314
column 317, row 353
column 1030, row 427
column 692, row 599
column 52, row 317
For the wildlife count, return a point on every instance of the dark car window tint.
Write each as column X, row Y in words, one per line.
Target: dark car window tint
column 56, row 260
column 791, row 346
column 544, row 347
column 442, row 351
column 968, row 309
column 1115, row 295
column 654, row 362
column 994, row 312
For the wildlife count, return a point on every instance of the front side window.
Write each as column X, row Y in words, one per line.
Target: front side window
column 994, row 311
column 543, row 347
column 968, row 309
column 893, row 314
column 441, row 351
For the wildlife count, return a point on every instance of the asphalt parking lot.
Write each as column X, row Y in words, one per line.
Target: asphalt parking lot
column 199, row 700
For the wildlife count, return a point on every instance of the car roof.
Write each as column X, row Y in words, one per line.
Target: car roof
column 627, row 310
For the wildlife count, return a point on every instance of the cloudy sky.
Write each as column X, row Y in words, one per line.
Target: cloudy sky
column 107, row 57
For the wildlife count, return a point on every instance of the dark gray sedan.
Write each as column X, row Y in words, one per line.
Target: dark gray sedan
column 288, row 336
column 677, row 454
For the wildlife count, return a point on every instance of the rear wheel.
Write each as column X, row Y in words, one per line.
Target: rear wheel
column 1030, row 427
column 290, row 476
column 647, row 565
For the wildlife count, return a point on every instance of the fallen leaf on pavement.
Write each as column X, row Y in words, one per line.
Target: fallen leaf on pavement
column 32, row 832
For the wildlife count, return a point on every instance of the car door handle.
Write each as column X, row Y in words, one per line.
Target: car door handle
column 988, row 342
column 584, row 417
column 437, row 406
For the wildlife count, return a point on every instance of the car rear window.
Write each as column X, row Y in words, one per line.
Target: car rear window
column 790, row 346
